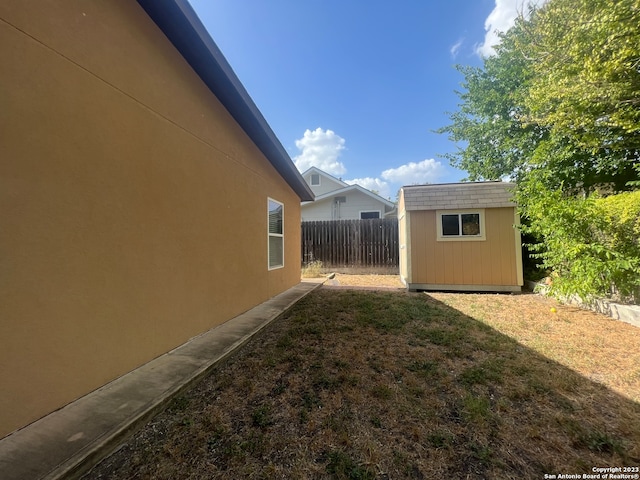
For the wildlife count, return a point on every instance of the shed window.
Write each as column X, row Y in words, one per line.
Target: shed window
column 367, row 215
column 461, row 225
column 315, row 179
column 275, row 234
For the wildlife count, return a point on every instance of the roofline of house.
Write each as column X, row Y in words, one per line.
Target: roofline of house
column 355, row 186
column 179, row 22
column 322, row 172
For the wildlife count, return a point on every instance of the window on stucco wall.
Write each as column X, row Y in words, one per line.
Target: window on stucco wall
column 275, row 234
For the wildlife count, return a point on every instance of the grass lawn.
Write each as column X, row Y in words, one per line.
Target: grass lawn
column 361, row 384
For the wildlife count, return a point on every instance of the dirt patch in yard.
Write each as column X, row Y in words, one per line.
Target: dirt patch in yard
column 368, row 281
column 379, row 384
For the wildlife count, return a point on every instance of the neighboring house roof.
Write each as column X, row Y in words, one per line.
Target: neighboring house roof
column 455, row 196
column 323, row 174
column 184, row 29
column 346, row 188
column 351, row 188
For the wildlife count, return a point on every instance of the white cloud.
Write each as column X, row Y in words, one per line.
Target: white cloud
column 501, row 19
column 374, row 184
column 456, row 48
column 426, row 171
column 321, row 149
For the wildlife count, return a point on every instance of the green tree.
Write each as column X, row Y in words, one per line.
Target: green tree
column 557, row 109
column 585, row 85
column 489, row 121
column 507, row 122
column 585, row 57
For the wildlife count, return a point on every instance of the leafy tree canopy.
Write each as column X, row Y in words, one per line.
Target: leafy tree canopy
column 557, row 109
column 585, row 57
column 561, row 94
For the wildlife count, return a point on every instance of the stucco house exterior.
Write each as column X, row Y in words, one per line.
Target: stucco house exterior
column 460, row 236
column 144, row 198
column 336, row 200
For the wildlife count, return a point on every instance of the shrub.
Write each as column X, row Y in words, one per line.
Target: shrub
column 591, row 243
column 312, row 269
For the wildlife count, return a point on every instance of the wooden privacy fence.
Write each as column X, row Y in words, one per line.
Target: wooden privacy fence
column 361, row 246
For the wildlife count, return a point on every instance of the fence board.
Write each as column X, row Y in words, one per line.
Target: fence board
column 370, row 244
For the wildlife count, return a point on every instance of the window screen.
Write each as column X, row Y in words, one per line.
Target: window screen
column 470, row 223
column 276, row 234
column 315, row 179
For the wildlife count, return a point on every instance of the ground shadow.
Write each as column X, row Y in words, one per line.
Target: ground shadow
column 369, row 384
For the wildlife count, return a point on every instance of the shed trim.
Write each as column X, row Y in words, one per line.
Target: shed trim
column 518, row 246
column 461, row 238
column 414, row 287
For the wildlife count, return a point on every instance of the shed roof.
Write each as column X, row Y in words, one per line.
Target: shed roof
column 456, row 196
column 184, row 29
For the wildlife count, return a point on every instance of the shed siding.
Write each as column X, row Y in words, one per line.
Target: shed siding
column 489, row 262
column 134, row 208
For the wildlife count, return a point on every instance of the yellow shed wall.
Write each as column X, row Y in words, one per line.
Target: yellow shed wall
column 492, row 262
column 133, row 207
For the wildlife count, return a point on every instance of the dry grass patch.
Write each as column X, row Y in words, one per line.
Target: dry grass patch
column 357, row 384
column 597, row 347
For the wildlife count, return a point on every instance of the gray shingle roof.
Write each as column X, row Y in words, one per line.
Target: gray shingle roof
column 456, row 196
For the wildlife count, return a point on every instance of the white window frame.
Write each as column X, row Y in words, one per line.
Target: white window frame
column 311, row 180
column 274, row 234
column 461, row 238
column 379, row 212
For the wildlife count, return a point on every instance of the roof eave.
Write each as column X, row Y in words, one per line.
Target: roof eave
column 360, row 188
column 181, row 25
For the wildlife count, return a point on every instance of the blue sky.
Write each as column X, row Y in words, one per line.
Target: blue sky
column 356, row 88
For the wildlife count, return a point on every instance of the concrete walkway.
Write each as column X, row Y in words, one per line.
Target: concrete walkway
column 68, row 442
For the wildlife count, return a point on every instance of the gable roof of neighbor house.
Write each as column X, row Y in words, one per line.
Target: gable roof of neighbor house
column 454, row 196
column 345, row 189
column 351, row 188
column 184, row 29
column 322, row 173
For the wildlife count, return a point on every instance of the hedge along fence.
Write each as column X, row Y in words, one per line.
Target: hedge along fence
column 352, row 246
column 591, row 244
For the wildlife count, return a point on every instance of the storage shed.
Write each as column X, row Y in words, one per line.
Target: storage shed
column 460, row 236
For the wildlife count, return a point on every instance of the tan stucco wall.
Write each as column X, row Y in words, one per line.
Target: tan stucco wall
column 133, row 207
column 493, row 262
